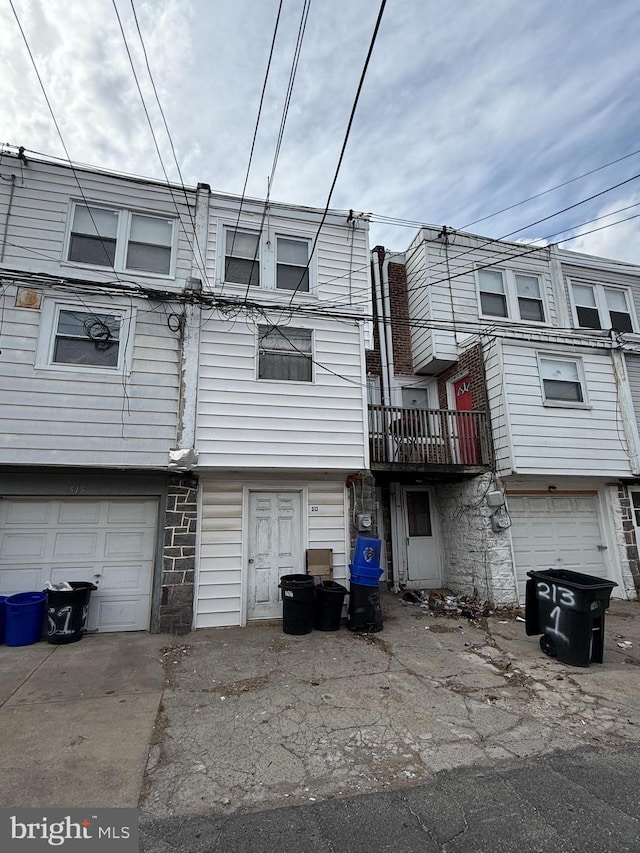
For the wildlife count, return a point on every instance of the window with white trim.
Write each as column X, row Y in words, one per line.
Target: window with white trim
column 121, row 239
column 598, row 306
column 562, row 380
column 292, row 264
column 278, row 261
column 84, row 337
column 285, row 354
column 512, row 295
column 242, row 257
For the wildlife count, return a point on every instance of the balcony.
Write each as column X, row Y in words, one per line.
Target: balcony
column 427, row 439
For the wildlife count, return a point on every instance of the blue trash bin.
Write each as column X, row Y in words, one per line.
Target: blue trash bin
column 3, row 611
column 24, row 618
column 367, row 552
column 365, row 575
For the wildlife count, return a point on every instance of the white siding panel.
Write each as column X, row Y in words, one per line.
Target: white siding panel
column 220, row 571
column 65, row 417
column 245, row 423
column 40, row 209
column 564, row 440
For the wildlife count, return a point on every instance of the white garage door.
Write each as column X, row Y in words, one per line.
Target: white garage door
column 110, row 542
column 556, row 532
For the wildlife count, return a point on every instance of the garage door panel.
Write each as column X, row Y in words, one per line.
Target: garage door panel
column 555, row 533
column 29, row 546
column 73, row 546
column 110, row 542
column 128, row 544
column 79, row 513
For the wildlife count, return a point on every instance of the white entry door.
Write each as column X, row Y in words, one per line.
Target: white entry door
column 275, row 549
column 423, row 556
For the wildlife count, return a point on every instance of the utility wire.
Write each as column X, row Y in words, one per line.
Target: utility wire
column 344, row 146
column 550, row 190
column 173, row 150
column 155, row 141
column 60, row 136
column 283, row 120
column 255, row 134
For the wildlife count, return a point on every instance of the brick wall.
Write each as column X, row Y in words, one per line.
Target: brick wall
column 400, row 329
column 471, row 362
column 179, row 555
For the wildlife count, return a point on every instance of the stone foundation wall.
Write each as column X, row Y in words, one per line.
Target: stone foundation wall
column 474, row 558
column 621, row 510
column 179, row 555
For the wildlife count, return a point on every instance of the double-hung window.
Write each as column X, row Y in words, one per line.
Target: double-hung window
column 598, row 306
column 511, row 295
column 273, row 261
column 121, row 239
column 562, row 380
column 285, row 354
column 242, row 258
column 292, row 264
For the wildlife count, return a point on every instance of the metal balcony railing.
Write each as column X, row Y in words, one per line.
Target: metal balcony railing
column 428, row 436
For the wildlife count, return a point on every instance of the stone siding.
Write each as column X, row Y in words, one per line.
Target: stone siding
column 474, row 558
column 179, row 555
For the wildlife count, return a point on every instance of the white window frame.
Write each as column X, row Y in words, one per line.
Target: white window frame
column 511, row 296
column 600, row 298
column 566, row 404
column 125, row 217
column 287, row 382
column 268, row 260
column 50, row 315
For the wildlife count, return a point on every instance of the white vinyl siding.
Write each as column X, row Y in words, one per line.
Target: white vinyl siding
column 443, row 285
column 339, row 270
column 41, row 219
column 68, row 415
column 219, row 598
column 574, row 440
column 245, row 422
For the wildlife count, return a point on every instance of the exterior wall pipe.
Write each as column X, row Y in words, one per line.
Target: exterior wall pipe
column 382, row 338
column 386, row 308
column 185, row 455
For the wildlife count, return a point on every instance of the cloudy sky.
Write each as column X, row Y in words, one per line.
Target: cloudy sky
column 468, row 106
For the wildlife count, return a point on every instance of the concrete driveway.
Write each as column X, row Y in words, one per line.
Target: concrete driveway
column 244, row 719
column 253, row 718
column 77, row 719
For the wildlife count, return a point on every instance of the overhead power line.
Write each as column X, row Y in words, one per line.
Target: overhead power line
column 344, row 144
column 199, row 261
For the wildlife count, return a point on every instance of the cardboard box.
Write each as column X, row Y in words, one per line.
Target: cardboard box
column 320, row 564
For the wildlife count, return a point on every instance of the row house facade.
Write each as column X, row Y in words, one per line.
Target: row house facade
column 542, row 346
column 183, row 389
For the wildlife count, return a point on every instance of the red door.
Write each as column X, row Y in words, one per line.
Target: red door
column 466, row 435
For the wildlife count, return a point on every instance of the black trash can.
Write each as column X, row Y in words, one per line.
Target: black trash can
column 568, row 609
column 365, row 612
column 67, row 612
column 329, row 601
column 298, row 594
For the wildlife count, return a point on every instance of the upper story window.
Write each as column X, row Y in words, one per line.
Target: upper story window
column 285, row 354
column 562, row 380
column 280, row 262
column 121, row 240
column 597, row 306
column 515, row 296
column 292, row 264
column 242, row 258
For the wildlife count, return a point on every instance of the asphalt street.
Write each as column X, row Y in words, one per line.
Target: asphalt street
column 582, row 801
